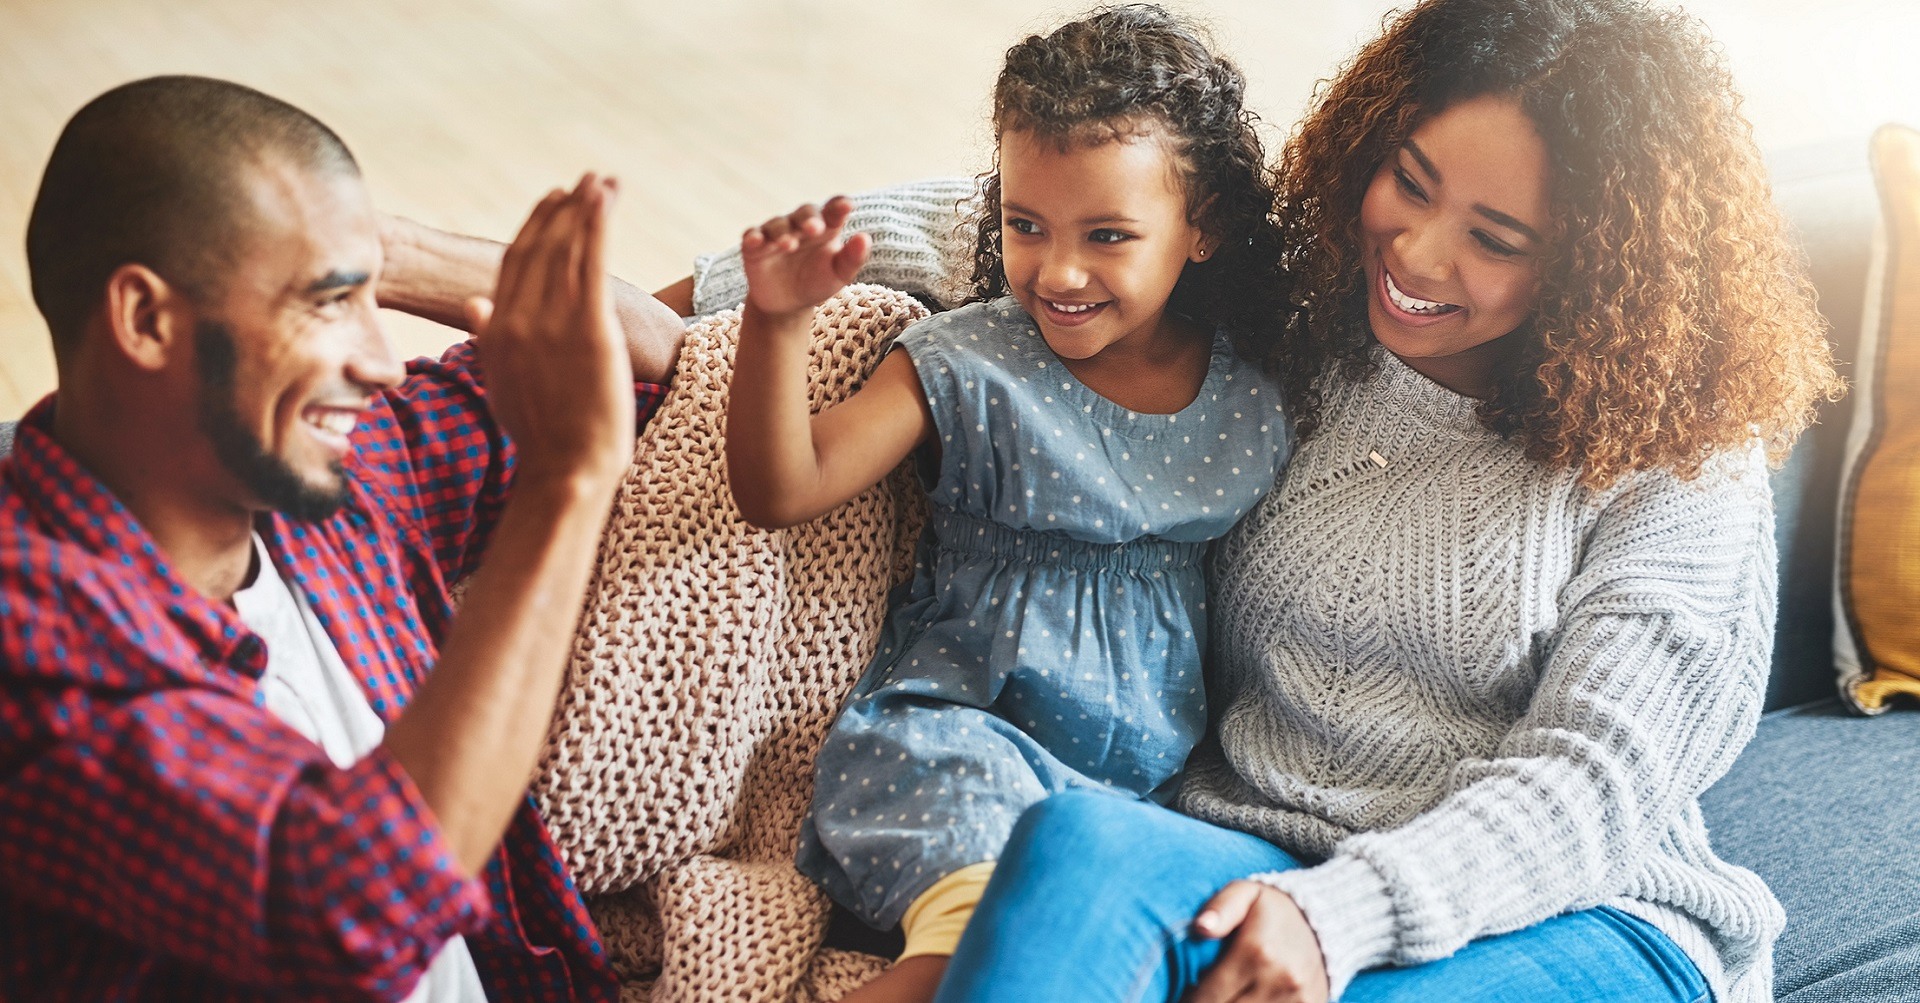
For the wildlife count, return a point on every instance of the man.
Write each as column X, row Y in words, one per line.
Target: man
column 247, row 748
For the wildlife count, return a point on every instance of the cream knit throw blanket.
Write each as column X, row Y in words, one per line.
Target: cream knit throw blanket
column 709, row 663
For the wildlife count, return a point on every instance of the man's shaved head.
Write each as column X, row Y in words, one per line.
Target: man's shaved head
column 151, row 173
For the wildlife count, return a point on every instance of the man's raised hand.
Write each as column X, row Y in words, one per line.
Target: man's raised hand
column 559, row 382
column 557, row 370
column 795, row 262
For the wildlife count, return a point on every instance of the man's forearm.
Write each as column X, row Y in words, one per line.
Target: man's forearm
column 678, row 297
column 433, row 274
column 472, row 735
column 560, row 387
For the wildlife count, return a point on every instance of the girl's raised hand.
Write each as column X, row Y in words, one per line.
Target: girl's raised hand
column 794, row 262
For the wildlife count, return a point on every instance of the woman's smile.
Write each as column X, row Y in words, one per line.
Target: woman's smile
column 1407, row 309
column 1452, row 234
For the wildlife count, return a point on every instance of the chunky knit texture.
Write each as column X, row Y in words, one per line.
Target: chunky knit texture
column 1486, row 694
column 710, row 660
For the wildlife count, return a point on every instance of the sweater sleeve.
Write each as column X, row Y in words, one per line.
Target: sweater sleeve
column 921, row 245
column 1647, row 691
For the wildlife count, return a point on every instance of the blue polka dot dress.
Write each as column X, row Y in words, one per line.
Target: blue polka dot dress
column 1052, row 633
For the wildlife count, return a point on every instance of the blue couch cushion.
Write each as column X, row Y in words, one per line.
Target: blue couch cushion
column 1824, row 807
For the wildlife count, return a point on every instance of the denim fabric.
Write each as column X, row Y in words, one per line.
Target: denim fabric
column 1823, row 806
column 1095, row 896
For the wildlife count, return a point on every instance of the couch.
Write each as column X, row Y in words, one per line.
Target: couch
column 1822, row 804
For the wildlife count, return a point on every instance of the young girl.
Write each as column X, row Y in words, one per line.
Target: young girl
column 1085, row 428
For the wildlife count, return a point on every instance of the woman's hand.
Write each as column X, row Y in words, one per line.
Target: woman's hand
column 1273, row 955
column 794, row 262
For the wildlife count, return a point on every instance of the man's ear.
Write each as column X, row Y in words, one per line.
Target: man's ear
column 149, row 319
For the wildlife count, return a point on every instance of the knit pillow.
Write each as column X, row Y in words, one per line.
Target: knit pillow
column 1877, row 601
column 711, row 659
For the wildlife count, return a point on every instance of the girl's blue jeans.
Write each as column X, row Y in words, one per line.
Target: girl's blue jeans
column 1096, row 894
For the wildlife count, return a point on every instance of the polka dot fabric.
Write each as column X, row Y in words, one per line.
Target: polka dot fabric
column 1051, row 636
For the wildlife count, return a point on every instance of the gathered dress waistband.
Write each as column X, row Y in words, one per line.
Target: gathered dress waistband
column 976, row 537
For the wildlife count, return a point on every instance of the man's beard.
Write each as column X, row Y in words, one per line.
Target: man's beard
column 271, row 479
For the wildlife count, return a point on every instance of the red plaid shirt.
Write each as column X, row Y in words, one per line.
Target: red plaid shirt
column 163, row 836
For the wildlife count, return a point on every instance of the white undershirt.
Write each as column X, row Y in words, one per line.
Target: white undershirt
column 310, row 688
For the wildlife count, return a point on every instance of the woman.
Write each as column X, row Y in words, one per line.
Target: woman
column 1511, row 609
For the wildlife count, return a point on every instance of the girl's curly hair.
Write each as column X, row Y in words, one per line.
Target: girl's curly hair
column 1674, row 317
column 1137, row 70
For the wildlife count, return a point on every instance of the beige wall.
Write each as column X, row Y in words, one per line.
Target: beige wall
column 719, row 112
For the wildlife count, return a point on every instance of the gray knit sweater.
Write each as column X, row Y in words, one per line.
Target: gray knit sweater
column 1486, row 695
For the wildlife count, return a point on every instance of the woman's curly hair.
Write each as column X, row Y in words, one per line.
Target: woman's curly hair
column 1674, row 317
column 1137, row 70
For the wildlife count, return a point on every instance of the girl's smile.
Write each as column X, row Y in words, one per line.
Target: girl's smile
column 1066, row 314
column 1095, row 235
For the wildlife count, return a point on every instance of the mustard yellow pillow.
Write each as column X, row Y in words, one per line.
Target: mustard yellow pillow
column 1877, row 635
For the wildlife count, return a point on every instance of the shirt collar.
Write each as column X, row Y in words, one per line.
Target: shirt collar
column 73, row 506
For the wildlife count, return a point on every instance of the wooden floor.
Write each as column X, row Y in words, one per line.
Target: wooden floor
column 719, row 112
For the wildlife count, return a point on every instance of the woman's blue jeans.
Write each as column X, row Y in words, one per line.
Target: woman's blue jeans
column 1096, row 894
